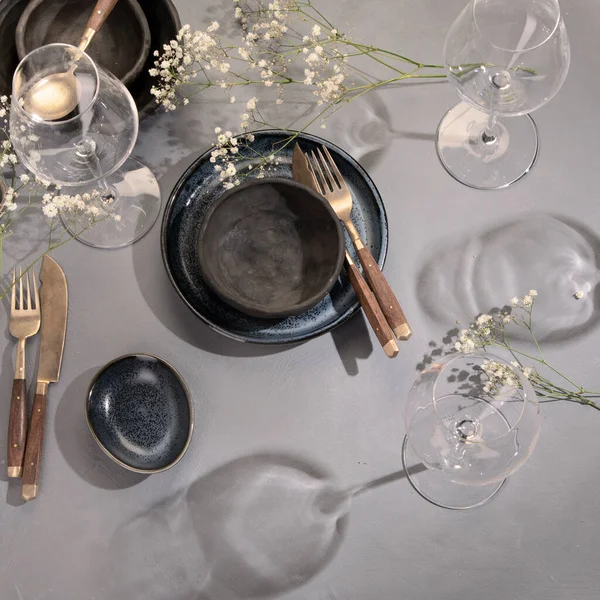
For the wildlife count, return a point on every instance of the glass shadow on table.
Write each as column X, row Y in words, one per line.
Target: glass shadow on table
column 373, row 132
column 553, row 255
column 256, row 527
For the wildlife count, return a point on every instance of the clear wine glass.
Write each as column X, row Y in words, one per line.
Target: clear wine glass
column 472, row 420
column 91, row 145
column 505, row 58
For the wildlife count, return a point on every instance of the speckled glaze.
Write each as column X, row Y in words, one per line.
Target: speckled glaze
column 200, row 186
column 140, row 413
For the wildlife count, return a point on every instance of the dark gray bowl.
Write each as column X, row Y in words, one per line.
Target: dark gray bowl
column 271, row 248
column 121, row 45
column 140, row 412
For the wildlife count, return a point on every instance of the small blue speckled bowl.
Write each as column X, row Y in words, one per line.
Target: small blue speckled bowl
column 140, row 413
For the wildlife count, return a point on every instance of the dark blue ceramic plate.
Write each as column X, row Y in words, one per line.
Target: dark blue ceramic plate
column 184, row 215
column 140, row 413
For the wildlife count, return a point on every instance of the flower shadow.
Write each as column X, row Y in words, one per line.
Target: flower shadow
column 553, row 255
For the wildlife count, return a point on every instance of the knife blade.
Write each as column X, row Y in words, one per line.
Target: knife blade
column 54, row 300
column 303, row 174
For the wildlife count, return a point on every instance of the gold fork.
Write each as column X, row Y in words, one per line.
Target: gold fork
column 337, row 193
column 24, row 322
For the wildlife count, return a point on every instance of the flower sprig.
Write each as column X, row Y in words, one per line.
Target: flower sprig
column 283, row 43
column 493, row 330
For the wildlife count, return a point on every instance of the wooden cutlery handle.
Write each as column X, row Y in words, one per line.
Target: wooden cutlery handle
column 34, row 448
column 17, row 428
column 371, row 308
column 102, row 9
column 383, row 292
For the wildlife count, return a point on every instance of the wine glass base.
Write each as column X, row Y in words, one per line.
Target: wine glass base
column 436, row 488
column 480, row 164
column 137, row 204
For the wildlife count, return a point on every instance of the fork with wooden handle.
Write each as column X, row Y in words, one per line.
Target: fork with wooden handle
column 24, row 322
column 371, row 309
column 337, row 193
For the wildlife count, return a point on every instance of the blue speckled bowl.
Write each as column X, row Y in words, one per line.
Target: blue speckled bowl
column 140, row 412
column 184, row 215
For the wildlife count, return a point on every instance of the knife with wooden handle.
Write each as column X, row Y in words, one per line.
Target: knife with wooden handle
column 54, row 303
column 302, row 173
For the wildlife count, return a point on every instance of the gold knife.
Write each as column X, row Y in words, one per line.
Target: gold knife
column 303, row 174
column 54, row 302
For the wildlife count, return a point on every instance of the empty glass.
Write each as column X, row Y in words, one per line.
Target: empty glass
column 505, row 58
column 472, row 420
column 88, row 148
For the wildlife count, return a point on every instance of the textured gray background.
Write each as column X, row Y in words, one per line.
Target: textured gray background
column 335, row 403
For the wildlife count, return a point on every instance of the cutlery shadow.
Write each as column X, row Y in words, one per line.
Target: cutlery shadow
column 78, row 447
column 353, row 342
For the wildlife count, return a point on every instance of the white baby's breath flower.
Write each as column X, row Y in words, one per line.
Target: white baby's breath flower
column 527, row 372
column 533, row 293
column 316, row 31
column 514, row 301
column 527, row 300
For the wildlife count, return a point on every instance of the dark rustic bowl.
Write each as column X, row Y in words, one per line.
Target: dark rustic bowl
column 10, row 13
column 121, row 45
column 140, row 412
column 271, row 248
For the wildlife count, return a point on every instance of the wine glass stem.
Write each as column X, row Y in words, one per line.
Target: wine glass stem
column 489, row 133
column 87, row 150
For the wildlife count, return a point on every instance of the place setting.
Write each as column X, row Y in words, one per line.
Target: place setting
column 276, row 236
column 222, row 298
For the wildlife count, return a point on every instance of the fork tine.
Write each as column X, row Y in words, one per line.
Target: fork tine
column 319, row 172
column 332, row 182
column 312, row 171
column 20, row 288
column 36, row 294
column 13, row 299
column 332, row 164
column 28, row 293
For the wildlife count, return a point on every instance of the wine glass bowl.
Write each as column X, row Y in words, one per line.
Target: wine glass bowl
column 473, row 420
column 90, row 145
column 505, row 59
column 104, row 119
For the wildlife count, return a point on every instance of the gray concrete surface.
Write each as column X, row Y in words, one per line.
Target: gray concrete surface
column 277, row 423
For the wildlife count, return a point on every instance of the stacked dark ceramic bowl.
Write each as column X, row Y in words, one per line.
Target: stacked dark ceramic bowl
column 142, row 26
